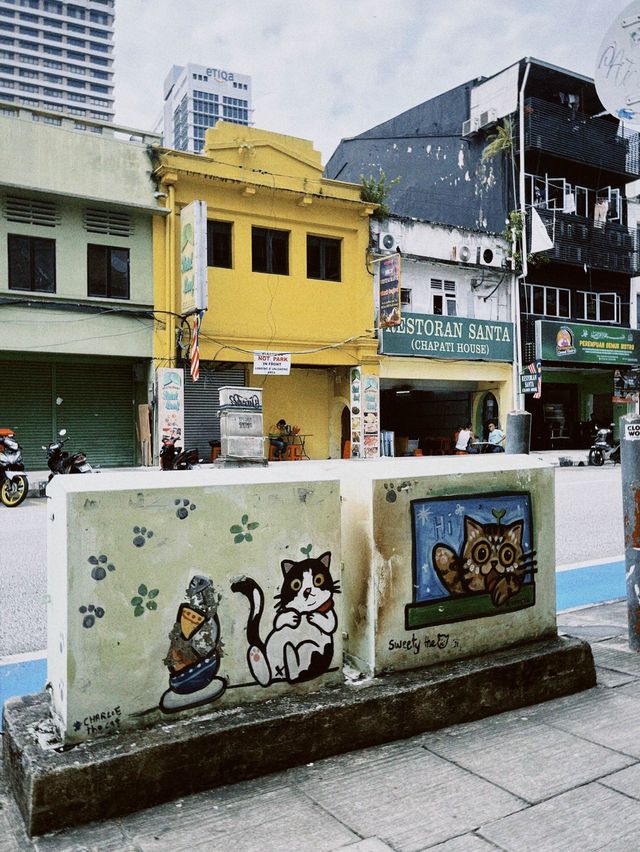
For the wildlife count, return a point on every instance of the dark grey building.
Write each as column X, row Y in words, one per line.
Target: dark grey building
column 565, row 164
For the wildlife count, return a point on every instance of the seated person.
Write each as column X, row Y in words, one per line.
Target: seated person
column 465, row 440
column 277, row 438
column 496, row 438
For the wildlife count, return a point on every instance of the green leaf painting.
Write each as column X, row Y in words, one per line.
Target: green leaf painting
column 138, row 601
column 240, row 532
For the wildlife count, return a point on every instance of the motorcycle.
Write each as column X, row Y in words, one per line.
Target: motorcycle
column 14, row 485
column 173, row 457
column 59, row 461
column 603, row 449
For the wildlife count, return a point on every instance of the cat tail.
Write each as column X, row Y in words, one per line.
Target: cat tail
column 447, row 566
column 248, row 587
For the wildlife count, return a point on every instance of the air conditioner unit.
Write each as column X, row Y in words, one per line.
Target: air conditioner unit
column 470, row 126
column 490, row 256
column 465, row 254
column 387, row 242
column 488, row 117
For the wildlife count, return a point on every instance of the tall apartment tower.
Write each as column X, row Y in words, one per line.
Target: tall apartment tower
column 58, row 56
column 195, row 98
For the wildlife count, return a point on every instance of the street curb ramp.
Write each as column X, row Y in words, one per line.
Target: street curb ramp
column 126, row 772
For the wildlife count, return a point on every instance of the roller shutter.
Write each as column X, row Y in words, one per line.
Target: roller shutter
column 97, row 409
column 202, row 403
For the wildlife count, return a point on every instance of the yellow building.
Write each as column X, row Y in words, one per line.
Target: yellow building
column 287, row 272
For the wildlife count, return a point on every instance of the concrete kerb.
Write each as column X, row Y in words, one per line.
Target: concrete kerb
column 101, row 778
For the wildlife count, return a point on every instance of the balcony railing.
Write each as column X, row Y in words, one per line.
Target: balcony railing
column 579, row 241
column 572, row 135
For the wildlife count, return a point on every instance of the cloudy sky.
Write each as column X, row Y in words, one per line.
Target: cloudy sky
column 324, row 69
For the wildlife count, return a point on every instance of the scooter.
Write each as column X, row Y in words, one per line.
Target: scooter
column 173, row 457
column 14, row 485
column 603, row 449
column 59, row 461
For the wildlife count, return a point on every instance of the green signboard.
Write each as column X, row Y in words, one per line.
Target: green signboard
column 576, row 343
column 455, row 338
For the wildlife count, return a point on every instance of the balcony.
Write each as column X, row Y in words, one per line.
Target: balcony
column 579, row 241
column 570, row 135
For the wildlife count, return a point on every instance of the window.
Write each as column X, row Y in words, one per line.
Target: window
column 323, row 258
column 32, row 264
column 547, row 301
column 219, row 244
column 598, row 307
column 108, row 272
column 405, row 297
column 270, row 251
column 443, row 294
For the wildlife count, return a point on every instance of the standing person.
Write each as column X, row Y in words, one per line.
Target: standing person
column 465, row 437
column 277, row 438
column 496, row 438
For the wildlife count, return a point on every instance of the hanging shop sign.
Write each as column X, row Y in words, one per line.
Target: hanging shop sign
column 193, row 258
column 390, row 309
column 576, row 343
column 271, row 363
column 626, row 386
column 453, row 338
column 531, row 379
column 170, row 403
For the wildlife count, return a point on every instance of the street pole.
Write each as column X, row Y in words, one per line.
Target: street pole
column 518, row 432
column 630, row 459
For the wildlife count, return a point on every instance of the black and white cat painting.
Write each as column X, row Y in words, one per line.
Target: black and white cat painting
column 299, row 646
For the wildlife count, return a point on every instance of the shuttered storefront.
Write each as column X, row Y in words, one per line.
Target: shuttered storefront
column 97, row 409
column 202, row 404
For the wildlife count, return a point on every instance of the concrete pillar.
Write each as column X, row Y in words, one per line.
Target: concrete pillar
column 630, row 459
column 518, row 432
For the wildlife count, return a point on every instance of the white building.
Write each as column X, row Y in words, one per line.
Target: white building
column 58, row 56
column 195, row 98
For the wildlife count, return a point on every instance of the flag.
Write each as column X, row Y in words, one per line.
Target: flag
column 540, row 240
column 536, row 369
column 194, row 351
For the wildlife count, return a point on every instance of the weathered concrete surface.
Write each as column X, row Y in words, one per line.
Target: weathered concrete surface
column 108, row 777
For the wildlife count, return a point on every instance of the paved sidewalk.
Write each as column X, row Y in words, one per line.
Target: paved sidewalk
column 559, row 776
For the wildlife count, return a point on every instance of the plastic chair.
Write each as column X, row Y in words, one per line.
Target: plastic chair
column 293, row 452
column 273, row 454
column 346, row 450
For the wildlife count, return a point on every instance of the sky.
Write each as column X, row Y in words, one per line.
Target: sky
column 328, row 69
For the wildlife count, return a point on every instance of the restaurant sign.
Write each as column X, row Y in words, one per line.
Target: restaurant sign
column 573, row 342
column 454, row 338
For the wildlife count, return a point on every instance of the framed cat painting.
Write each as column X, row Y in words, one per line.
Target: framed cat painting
column 473, row 557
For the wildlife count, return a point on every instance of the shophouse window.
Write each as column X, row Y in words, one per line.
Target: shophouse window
column 270, row 251
column 443, row 294
column 108, row 272
column 32, row 264
column 219, row 244
column 598, row 307
column 405, row 298
column 323, row 258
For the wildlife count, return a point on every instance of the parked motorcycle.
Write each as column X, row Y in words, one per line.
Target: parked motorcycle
column 173, row 457
column 604, row 449
column 59, row 461
column 14, row 485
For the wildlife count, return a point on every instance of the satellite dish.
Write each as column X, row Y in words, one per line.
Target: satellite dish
column 617, row 74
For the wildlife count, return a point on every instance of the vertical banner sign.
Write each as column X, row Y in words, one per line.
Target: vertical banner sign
column 355, row 383
column 365, row 414
column 193, row 258
column 390, row 291
column 170, row 405
column 531, row 380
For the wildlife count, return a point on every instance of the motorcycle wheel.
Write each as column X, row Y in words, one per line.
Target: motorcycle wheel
column 14, row 491
column 596, row 457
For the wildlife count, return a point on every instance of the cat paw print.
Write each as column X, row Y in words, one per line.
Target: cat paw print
column 141, row 536
column 390, row 495
column 90, row 613
column 185, row 506
column 100, row 566
column 138, row 602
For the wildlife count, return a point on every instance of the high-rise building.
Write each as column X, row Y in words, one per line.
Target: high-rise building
column 58, row 56
column 195, row 98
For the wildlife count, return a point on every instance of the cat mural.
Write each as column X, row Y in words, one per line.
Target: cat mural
column 491, row 560
column 473, row 557
column 299, row 646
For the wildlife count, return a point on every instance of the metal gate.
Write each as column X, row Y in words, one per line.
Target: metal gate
column 202, row 404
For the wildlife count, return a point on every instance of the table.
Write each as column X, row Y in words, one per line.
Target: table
column 483, row 446
column 300, row 438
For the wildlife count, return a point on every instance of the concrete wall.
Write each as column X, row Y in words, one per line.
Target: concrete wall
column 134, row 638
column 420, row 539
column 152, row 579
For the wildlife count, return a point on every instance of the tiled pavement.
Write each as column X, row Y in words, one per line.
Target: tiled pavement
column 559, row 776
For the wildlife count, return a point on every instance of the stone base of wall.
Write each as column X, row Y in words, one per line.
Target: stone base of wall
column 116, row 775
